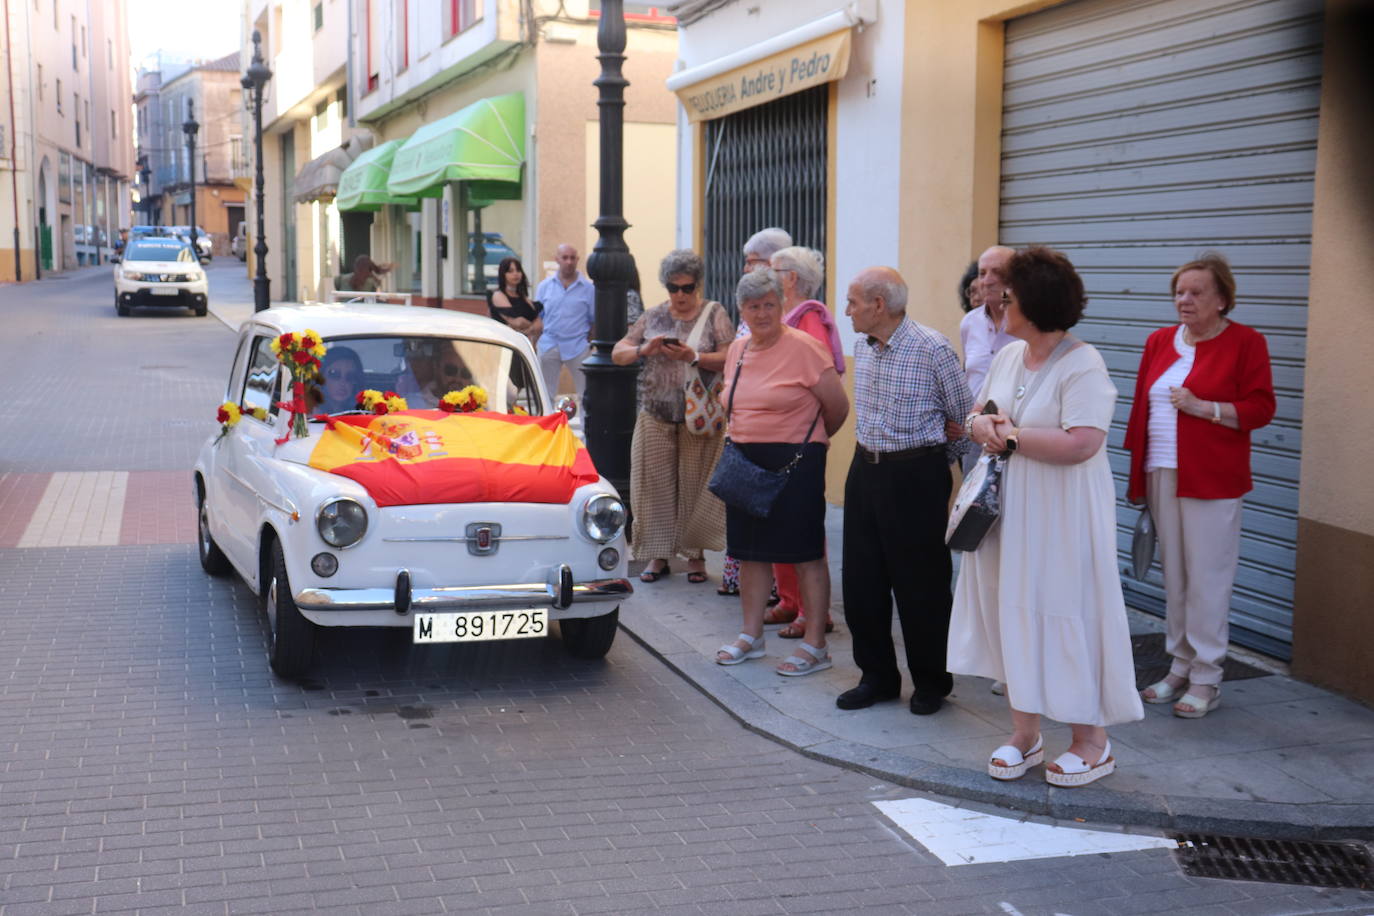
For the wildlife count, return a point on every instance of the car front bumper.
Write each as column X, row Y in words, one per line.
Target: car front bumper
column 559, row 593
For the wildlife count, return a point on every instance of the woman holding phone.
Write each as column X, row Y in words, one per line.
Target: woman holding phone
column 675, row 515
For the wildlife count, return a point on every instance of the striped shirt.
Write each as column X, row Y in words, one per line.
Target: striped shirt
column 906, row 389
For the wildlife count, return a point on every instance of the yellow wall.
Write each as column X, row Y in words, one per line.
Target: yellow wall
column 650, row 197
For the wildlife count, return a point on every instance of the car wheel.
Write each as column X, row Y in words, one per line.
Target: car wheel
column 590, row 637
column 202, row 309
column 121, row 309
column 292, row 636
column 212, row 559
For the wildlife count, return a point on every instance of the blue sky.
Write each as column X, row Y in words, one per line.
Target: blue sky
column 187, row 29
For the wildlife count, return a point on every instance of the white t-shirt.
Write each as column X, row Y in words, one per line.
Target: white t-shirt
column 1163, row 428
column 981, row 340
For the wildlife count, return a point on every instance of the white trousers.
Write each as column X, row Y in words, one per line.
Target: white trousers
column 1199, row 547
column 551, row 367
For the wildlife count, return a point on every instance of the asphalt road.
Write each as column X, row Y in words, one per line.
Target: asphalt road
column 150, row 762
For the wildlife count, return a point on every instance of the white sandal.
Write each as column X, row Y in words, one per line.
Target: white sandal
column 1164, row 692
column 819, row 661
column 1075, row 771
column 1017, row 763
column 1197, row 706
column 737, row 654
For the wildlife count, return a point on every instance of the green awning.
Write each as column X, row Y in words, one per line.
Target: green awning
column 483, row 144
column 362, row 186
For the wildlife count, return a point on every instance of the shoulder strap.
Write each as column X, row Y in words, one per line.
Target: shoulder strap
column 698, row 329
column 1063, row 347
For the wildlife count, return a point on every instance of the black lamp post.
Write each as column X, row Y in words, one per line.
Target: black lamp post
column 610, row 407
column 191, row 128
column 253, row 82
column 146, row 174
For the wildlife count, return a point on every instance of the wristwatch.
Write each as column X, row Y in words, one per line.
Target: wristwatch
column 1013, row 439
column 695, row 360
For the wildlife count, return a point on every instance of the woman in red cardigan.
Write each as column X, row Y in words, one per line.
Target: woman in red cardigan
column 1203, row 385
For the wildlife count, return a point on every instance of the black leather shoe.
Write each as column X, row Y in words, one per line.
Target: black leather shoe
column 864, row 696
column 926, row 704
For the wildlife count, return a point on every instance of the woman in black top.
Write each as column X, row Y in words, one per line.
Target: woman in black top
column 511, row 304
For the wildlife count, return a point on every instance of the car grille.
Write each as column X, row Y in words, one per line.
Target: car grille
column 167, row 278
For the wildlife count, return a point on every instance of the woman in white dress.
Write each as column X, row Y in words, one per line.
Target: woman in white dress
column 1038, row 604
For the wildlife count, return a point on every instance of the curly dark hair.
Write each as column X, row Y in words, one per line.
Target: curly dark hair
column 1047, row 288
column 970, row 274
column 522, row 289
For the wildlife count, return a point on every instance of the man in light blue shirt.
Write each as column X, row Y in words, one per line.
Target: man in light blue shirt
column 569, row 301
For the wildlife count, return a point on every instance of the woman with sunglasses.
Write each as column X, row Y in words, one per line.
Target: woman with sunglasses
column 511, row 304
column 342, row 372
column 675, row 515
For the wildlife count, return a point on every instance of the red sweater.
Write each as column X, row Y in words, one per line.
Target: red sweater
column 1213, row 460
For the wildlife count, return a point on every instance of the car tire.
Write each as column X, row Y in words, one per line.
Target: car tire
column 121, row 309
column 590, row 637
column 212, row 559
column 292, row 637
column 201, row 310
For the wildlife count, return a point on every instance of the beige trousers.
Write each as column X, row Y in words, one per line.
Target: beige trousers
column 675, row 515
column 1199, row 547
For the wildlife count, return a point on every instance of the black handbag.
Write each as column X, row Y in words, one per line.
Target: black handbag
column 742, row 484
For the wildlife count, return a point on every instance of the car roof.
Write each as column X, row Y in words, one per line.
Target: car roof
column 357, row 319
column 161, row 241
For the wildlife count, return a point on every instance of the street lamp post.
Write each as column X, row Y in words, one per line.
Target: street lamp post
column 610, row 407
column 191, row 128
column 253, row 82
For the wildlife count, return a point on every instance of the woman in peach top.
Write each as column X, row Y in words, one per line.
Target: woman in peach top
column 785, row 398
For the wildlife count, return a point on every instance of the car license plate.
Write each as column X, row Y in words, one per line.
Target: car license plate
column 479, row 626
column 165, row 291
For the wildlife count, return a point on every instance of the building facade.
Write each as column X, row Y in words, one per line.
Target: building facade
column 410, row 64
column 210, row 92
column 65, row 139
column 1132, row 136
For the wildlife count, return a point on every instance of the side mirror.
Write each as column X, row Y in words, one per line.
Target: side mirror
column 566, row 406
column 204, row 260
column 115, row 259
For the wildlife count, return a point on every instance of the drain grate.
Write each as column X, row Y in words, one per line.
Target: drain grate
column 1275, row 861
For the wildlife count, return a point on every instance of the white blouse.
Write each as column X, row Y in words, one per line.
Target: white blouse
column 1162, row 451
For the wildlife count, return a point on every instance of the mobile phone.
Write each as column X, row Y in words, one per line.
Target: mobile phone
column 671, row 341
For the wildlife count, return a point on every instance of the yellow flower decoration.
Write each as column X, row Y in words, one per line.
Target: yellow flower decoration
column 259, row 413
column 519, row 411
column 395, row 402
column 466, row 400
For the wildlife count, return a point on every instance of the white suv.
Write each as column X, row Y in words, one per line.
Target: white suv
column 159, row 271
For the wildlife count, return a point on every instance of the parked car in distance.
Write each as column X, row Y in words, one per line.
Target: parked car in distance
column 238, row 245
column 203, row 241
column 159, row 271
column 495, row 248
column 320, row 551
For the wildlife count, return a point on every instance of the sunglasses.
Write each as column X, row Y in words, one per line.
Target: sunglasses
column 687, row 288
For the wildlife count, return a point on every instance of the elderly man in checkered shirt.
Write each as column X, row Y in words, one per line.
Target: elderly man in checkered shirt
column 909, row 391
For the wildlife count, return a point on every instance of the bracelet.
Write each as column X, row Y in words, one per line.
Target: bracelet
column 968, row 423
column 1216, row 411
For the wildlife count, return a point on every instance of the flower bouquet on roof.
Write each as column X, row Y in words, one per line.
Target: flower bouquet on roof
column 300, row 354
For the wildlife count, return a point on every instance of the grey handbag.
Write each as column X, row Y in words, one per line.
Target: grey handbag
column 1143, row 543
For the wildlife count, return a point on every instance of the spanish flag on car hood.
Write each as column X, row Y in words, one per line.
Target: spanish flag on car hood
column 428, row 456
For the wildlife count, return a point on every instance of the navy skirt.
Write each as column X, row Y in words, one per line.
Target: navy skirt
column 794, row 532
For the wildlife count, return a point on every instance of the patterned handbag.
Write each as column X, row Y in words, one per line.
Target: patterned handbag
column 702, row 411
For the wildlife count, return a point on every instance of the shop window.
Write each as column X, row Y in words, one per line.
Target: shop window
column 765, row 166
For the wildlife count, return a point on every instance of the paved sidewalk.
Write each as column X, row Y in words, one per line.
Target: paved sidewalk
column 1279, row 758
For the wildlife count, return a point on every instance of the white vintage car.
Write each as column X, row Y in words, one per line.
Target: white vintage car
column 320, row 551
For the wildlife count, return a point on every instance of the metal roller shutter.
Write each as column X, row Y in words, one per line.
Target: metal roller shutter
column 765, row 166
column 1136, row 135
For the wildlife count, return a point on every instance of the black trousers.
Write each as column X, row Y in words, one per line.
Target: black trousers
column 894, row 547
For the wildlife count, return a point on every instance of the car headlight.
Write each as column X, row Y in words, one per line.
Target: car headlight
column 341, row 522
column 132, row 275
column 603, row 518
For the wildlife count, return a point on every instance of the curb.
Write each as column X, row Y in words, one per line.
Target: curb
column 1174, row 814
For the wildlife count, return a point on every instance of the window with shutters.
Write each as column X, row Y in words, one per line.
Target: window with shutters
column 765, row 166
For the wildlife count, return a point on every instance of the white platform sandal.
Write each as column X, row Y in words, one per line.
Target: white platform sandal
column 819, row 660
column 737, row 654
column 1075, row 771
column 1164, row 692
column 1017, row 763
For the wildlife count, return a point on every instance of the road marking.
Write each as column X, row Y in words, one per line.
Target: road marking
column 78, row 509
column 959, row 836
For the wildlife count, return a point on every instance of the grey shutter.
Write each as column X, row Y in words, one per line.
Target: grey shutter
column 1136, row 135
column 765, row 166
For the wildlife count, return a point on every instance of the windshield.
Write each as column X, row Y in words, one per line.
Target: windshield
column 158, row 250
column 422, row 370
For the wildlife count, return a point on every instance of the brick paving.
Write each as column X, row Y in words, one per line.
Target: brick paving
column 150, row 763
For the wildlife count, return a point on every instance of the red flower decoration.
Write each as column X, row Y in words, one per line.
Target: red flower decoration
column 222, row 415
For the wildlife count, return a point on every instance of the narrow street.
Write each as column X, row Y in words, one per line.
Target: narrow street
column 150, row 761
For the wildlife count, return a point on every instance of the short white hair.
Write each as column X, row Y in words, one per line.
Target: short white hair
column 756, row 284
column 893, row 292
column 767, row 242
column 807, row 263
